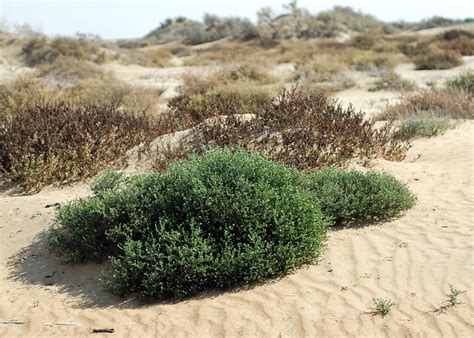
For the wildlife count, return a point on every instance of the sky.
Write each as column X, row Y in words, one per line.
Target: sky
column 113, row 19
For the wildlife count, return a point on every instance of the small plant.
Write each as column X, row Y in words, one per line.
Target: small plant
column 453, row 296
column 382, row 306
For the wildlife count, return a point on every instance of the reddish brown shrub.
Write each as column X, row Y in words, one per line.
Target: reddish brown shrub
column 60, row 142
column 302, row 130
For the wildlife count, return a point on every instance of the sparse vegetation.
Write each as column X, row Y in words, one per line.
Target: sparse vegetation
column 382, row 306
column 391, row 81
column 453, row 296
column 442, row 103
column 424, row 125
column 464, row 82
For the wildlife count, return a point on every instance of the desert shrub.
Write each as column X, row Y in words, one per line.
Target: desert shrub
column 301, row 129
column 62, row 142
column 391, row 81
column 152, row 57
column 241, row 75
column 225, row 219
column 365, row 41
column 20, row 94
column 464, row 45
column 371, row 62
column 444, row 103
column 40, row 50
column 193, row 32
column 423, row 124
column 66, row 68
column 437, row 59
column 190, row 110
column 348, row 197
column 108, row 90
column 463, row 82
column 458, row 40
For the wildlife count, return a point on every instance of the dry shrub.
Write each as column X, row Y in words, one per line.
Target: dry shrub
column 21, row 93
column 40, row 50
column 464, row 82
column 437, row 59
column 391, row 81
column 241, row 75
column 227, row 52
column 444, row 103
column 304, row 130
column 189, row 110
column 365, row 41
column 108, row 90
column 152, row 57
column 369, row 61
column 61, row 142
column 464, row 45
column 67, row 68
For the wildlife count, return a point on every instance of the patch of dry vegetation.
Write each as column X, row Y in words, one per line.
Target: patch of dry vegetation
column 304, row 130
column 61, row 142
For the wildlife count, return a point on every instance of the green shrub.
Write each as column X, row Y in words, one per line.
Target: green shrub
column 437, row 59
column 423, row 125
column 222, row 220
column 348, row 197
column 464, row 82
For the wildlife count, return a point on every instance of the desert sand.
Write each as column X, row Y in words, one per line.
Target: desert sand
column 410, row 260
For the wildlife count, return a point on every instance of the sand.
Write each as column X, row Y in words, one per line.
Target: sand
column 410, row 260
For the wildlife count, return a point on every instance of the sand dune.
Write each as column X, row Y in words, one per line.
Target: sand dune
column 410, row 260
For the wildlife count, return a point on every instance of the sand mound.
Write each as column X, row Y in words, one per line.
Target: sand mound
column 410, row 260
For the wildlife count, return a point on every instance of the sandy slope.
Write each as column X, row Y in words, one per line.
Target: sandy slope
column 410, row 260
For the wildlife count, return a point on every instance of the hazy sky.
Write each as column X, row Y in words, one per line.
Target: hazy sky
column 129, row 18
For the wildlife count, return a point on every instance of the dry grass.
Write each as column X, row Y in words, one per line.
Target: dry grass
column 437, row 59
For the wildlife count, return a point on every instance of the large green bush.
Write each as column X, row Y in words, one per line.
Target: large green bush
column 348, row 197
column 222, row 220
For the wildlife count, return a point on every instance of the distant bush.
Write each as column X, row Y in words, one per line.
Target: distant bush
column 66, row 68
column 348, row 197
column 223, row 220
column 40, row 50
column 365, row 41
column 60, row 142
column 153, row 57
column 391, row 81
column 193, row 32
column 443, row 103
column 22, row 93
column 463, row 82
column 372, row 62
column 438, row 59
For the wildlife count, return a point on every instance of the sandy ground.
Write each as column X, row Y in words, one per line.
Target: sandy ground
column 410, row 260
